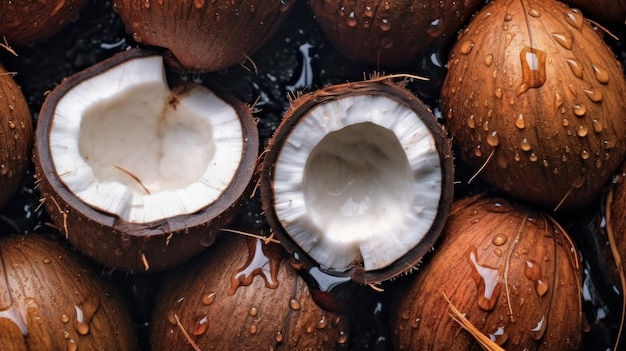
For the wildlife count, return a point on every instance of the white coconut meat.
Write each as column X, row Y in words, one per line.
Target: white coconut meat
column 125, row 144
column 359, row 179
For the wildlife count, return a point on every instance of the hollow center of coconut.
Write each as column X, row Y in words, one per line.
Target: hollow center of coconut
column 358, row 181
column 125, row 144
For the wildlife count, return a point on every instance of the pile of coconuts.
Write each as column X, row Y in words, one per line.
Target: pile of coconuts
column 287, row 175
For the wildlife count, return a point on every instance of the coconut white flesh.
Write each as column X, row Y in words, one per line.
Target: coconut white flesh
column 358, row 180
column 121, row 145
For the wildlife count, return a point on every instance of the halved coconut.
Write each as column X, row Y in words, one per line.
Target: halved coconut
column 358, row 178
column 137, row 175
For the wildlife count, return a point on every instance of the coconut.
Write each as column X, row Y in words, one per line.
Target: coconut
column 203, row 35
column 390, row 32
column 50, row 299
column 242, row 295
column 511, row 271
column 536, row 102
column 16, row 136
column 136, row 174
column 357, row 180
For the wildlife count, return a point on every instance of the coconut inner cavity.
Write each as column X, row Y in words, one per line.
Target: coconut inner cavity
column 356, row 181
column 125, row 144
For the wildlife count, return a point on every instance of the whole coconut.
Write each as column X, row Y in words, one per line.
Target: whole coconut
column 203, row 35
column 30, row 21
column 51, row 300
column 390, row 32
column 16, row 136
column 536, row 101
column 243, row 294
column 513, row 272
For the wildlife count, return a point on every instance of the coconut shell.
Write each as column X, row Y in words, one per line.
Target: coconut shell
column 137, row 247
column 536, row 101
column 390, row 32
column 16, row 136
column 203, row 35
column 30, row 21
column 51, row 300
column 242, row 294
column 512, row 271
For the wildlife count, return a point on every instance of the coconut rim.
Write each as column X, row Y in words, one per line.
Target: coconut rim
column 229, row 196
column 298, row 111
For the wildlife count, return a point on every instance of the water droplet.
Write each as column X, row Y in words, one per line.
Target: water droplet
column 499, row 239
column 435, row 29
column 601, row 74
column 343, row 338
column 508, row 17
column 85, row 312
column 201, row 326
column 488, row 60
column 525, row 145
column 493, row 139
column 565, row 122
column 253, row 311
column 563, row 39
column 574, row 18
column 534, row 13
column 478, row 151
column 65, row 318
column 594, row 95
column 198, row 3
column 253, row 328
column 582, row 130
column 11, row 124
column 279, row 336
column 508, row 38
column 533, row 69
column 532, row 157
column 351, row 20
column 576, row 67
column 466, row 47
column 499, row 336
column 294, row 304
column 519, row 122
column 208, row 299
column 487, row 280
column 539, row 329
column 584, row 154
column 471, row 122
column 385, row 25
column 72, row 345
column 47, row 260
column 263, row 260
column 498, row 93
column 146, row 4
column 597, row 125
column 322, row 323
column 579, row 110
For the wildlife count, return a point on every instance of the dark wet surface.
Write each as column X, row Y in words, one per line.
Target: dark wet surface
column 298, row 58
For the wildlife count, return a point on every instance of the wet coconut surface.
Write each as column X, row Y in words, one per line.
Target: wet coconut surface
column 297, row 58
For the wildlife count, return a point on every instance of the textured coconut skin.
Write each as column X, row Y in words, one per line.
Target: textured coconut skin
column 46, row 286
column 269, row 309
column 604, row 11
column 136, row 247
column 537, row 274
column 203, row 35
column 16, row 136
column 390, row 32
column 570, row 137
column 298, row 111
column 30, row 21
